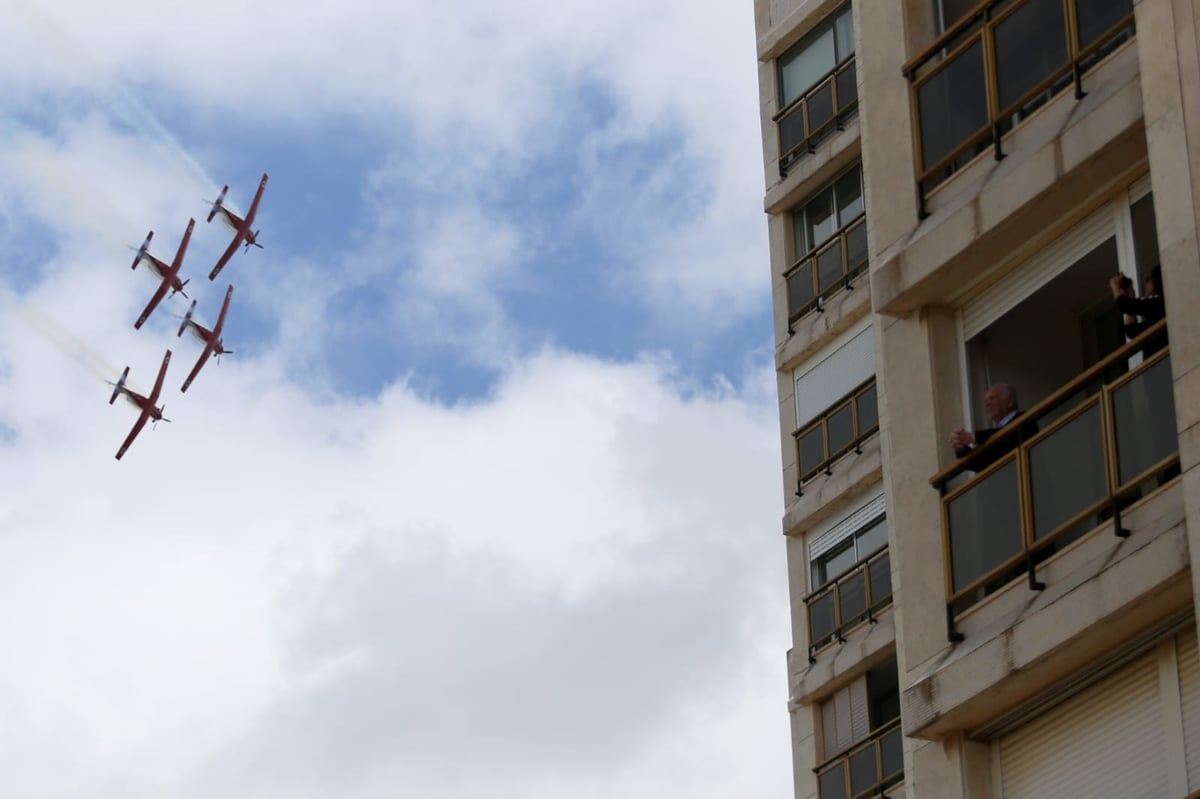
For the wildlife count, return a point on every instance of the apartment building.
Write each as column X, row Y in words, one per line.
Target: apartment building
column 950, row 187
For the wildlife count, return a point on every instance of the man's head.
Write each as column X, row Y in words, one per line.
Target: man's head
column 1000, row 401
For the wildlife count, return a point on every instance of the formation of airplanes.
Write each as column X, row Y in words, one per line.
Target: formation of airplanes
column 168, row 274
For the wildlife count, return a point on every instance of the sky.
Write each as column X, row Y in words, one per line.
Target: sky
column 486, row 499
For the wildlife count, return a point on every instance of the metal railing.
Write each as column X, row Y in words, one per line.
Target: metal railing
column 1106, row 438
column 839, row 430
column 827, row 269
column 997, row 64
column 852, row 599
column 819, row 111
column 868, row 768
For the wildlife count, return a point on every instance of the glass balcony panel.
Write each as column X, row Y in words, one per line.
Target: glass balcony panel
column 800, row 289
column 829, row 267
column 892, row 747
column 881, row 579
column 820, row 108
column 798, row 73
column 841, row 429
column 985, row 526
column 856, row 248
column 822, row 619
column 1144, row 411
column 1097, row 16
column 791, row 130
column 811, row 451
column 1031, row 43
column 847, row 86
column 853, row 595
column 952, row 105
column 864, row 771
column 868, row 409
column 1067, row 471
column 832, row 784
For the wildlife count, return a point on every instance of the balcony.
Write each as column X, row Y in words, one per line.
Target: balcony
column 821, row 110
column 838, row 431
column 1077, row 458
column 868, row 768
column 848, row 601
column 996, row 66
column 826, row 270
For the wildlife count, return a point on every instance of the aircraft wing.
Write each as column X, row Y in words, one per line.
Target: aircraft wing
column 254, row 203
column 238, row 238
column 154, row 301
column 137, row 428
column 216, row 331
column 204, row 356
column 183, row 245
column 158, row 383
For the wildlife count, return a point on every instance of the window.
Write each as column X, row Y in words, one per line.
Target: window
column 837, row 561
column 861, row 740
column 951, row 11
column 851, row 570
column 817, row 86
column 829, row 240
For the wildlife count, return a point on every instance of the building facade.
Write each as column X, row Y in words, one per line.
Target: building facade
column 950, row 187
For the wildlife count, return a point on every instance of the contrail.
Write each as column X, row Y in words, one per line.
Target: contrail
column 66, row 343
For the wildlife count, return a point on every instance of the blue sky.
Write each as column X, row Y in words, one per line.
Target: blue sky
column 495, row 462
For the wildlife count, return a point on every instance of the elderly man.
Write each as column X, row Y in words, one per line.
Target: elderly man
column 1000, row 402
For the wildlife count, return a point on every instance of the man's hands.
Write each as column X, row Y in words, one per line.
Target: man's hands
column 961, row 439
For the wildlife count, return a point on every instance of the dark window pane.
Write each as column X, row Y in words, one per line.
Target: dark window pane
column 849, row 196
column 881, row 579
column 821, row 619
column 868, row 410
column 853, row 595
column 864, row 772
column 805, row 64
column 954, row 10
column 844, row 31
column 820, row 108
column 952, row 105
column 985, row 526
column 841, row 429
column 1098, row 16
column 856, row 248
column 1031, row 43
column 872, row 537
column 800, row 289
column 892, row 745
column 829, row 267
column 811, row 451
column 832, row 784
column 819, row 219
column 847, row 86
column 791, row 130
column 1144, row 409
column 1067, row 471
column 1145, row 237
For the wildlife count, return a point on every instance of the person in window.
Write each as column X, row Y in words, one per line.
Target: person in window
column 1140, row 313
column 1000, row 402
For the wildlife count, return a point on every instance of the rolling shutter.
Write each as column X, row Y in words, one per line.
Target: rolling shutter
column 844, row 718
column 1106, row 741
column 849, row 362
column 837, row 533
column 1189, row 699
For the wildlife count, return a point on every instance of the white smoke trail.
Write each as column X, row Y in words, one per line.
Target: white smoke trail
column 58, row 337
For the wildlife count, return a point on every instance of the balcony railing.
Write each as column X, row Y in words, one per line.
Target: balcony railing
column 1105, row 439
column 827, row 269
column 997, row 64
column 853, row 598
column 844, row 427
column 821, row 110
column 866, row 769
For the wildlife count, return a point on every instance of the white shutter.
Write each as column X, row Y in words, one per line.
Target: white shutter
column 826, row 540
column 835, row 374
column 844, row 718
column 1189, row 699
column 1027, row 278
column 1106, row 741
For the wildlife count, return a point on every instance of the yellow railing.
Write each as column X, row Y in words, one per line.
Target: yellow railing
column 827, row 269
column 866, row 769
column 852, row 599
column 819, row 111
column 1069, row 464
column 995, row 65
column 840, row 429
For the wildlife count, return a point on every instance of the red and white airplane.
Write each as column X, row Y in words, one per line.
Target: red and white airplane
column 169, row 274
column 146, row 404
column 211, row 338
column 243, row 232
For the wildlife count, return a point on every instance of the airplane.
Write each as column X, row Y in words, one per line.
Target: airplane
column 242, row 231
column 211, row 338
column 146, row 404
column 169, row 274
